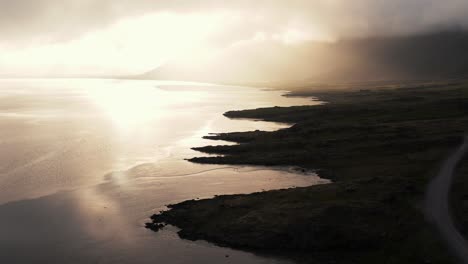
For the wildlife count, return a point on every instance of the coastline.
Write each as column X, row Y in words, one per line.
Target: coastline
column 371, row 210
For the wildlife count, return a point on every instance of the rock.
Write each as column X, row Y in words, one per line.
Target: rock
column 154, row 226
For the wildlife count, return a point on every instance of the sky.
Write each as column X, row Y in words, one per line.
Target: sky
column 115, row 37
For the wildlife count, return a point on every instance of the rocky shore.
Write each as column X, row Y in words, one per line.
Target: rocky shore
column 379, row 146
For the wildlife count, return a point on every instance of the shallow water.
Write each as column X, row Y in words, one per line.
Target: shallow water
column 84, row 162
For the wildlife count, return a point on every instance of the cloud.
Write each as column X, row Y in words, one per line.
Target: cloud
column 61, row 20
column 29, row 28
column 36, row 21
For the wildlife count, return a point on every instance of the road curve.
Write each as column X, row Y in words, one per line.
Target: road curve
column 438, row 208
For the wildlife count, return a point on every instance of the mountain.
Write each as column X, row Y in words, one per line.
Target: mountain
column 424, row 56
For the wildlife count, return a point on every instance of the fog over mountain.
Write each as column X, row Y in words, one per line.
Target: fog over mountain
column 425, row 56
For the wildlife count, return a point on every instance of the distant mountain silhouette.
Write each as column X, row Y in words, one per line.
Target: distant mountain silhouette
column 425, row 56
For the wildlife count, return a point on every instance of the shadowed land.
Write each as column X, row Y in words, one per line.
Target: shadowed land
column 379, row 146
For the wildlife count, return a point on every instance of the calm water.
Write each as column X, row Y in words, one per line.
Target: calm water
column 83, row 163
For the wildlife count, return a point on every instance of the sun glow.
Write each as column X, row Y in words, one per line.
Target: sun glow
column 135, row 45
column 131, row 46
column 127, row 107
column 133, row 104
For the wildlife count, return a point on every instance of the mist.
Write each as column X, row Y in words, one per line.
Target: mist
column 41, row 36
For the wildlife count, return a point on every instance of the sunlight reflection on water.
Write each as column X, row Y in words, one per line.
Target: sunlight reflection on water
column 96, row 157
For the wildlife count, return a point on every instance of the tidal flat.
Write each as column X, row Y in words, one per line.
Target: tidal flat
column 380, row 146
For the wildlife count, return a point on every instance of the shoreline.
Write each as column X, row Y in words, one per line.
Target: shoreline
column 372, row 144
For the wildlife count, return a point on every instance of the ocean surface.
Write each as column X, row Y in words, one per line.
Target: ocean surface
column 85, row 162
